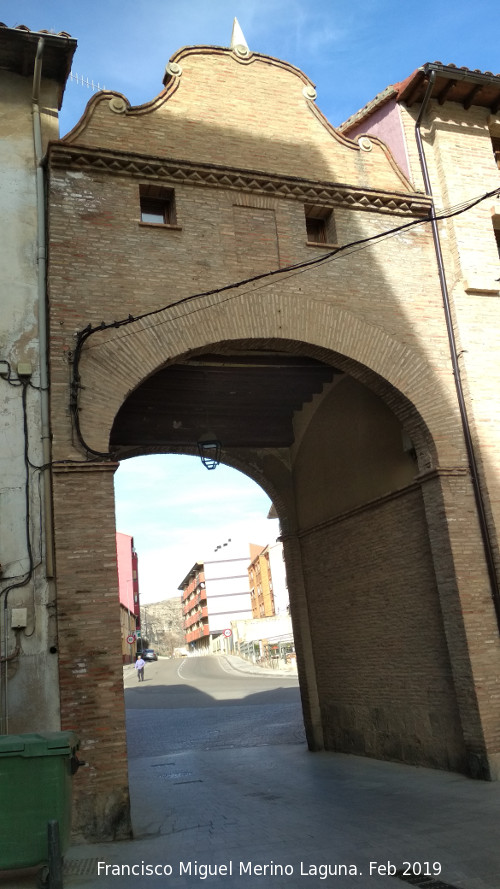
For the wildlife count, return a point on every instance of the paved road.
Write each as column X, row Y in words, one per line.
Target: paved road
column 223, row 789
column 205, row 703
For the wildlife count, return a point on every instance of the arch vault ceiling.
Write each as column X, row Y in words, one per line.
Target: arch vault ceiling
column 245, row 399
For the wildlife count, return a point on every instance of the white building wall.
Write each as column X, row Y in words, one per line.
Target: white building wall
column 228, row 592
column 268, row 628
column 29, row 677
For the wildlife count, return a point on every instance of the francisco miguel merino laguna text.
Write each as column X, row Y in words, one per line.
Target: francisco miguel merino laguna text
column 243, row 868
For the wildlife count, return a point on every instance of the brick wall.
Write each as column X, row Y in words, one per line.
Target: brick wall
column 384, row 676
column 90, row 662
column 239, row 141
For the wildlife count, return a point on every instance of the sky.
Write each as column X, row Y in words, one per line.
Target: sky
column 175, row 509
column 178, row 512
column 351, row 49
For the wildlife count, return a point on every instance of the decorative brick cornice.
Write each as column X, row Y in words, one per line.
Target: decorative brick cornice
column 72, row 157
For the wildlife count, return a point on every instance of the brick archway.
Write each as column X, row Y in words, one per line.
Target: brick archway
column 397, row 538
column 114, row 362
column 391, row 595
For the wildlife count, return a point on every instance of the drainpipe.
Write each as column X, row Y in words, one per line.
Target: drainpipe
column 42, row 311
column 483, row 523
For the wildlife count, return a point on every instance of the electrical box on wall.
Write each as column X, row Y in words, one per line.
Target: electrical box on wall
column 24, row 369
column 19, row 618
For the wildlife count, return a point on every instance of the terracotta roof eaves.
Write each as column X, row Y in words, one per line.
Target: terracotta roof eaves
column 402, row 89
column 44, row 31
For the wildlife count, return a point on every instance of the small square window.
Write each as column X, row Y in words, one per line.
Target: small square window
column 157, row 205
column 316, row 230
column 320, row 225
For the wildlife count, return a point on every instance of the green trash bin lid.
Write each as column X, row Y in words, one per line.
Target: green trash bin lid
column 39, row 744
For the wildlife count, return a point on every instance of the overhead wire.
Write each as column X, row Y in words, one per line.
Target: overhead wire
column 266, row 277
column 26, row 577
column 286, row 271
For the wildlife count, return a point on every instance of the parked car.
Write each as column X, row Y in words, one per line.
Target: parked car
column 149, row 654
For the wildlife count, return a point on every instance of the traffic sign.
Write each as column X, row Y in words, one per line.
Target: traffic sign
column 130, row 640
column 228, row 633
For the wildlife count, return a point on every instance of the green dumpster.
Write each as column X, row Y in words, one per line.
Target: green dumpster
column 35, row 789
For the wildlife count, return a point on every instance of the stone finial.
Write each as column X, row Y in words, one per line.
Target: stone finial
column 238, row 37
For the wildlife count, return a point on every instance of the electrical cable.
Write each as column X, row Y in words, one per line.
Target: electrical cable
column 361, row 243
column 29, row 574
column 25, row 579
column 16, row 382
column 83, row 335
column 8, row 377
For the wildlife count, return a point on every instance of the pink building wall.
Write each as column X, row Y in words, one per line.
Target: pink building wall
column 385, row 122
column 124, row 548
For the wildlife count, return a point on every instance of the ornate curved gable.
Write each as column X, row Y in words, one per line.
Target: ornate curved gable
column 241, row 110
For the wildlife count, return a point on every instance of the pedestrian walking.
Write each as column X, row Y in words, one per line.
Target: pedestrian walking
column 139, row 666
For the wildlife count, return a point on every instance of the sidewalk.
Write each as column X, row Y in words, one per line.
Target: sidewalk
column 281, row 807
column 285, row 805
column 244, row 666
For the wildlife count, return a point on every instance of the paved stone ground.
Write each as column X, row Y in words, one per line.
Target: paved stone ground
column 242, row 727
column 286, row 805
column 282, row 804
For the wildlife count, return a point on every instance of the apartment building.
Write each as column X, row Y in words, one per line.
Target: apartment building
column 128, row 594
column 215, row 592
column 261, row 582
column 195, row 609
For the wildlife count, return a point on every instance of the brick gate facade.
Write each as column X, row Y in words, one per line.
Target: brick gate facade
column 397, row 641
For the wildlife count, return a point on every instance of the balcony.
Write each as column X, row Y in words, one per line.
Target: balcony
column 195, row 616
column 199, row 633
column 194, row 602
